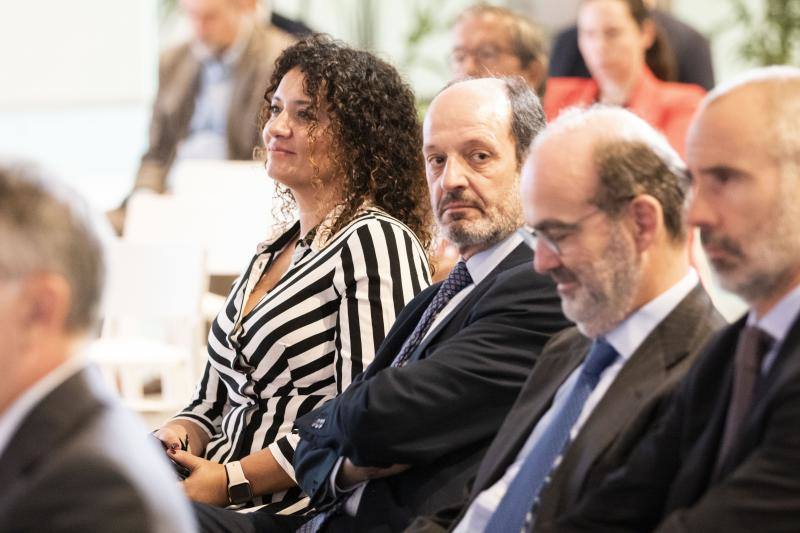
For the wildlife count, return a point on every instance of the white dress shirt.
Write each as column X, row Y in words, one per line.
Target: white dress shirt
column 626, row 338
column 777, row 323
column 479, row 266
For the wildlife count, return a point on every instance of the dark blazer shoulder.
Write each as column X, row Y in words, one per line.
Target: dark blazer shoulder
column 80, row 457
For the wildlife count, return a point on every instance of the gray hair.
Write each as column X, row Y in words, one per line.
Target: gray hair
column 46, row 228
column 630, row 158
column 527, row 115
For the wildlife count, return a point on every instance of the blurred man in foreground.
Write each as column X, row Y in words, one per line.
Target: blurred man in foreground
column 71, row 459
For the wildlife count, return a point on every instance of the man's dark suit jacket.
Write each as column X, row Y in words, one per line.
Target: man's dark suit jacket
column 637, row 396
column 692, row 52
column 670, row 483
column 79, row 462
column 440, row 411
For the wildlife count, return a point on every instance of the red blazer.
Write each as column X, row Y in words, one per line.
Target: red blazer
column 666, row 106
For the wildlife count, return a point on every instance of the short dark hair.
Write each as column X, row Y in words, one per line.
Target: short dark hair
column 627, row 168
column 46, row 227
column 527, row 115
column 526, row 38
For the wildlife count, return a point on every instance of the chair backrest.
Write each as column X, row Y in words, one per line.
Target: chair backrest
column 152, row 322
column 225, row 207
column 155, row 291
column 154, row 280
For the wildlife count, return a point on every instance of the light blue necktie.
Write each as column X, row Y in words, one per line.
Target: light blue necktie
column 524, row 489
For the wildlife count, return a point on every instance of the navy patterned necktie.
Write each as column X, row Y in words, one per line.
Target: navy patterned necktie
column 523, row 492
column 458, row 279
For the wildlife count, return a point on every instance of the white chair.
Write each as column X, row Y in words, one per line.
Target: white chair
column 151, row 322
column 223, row 206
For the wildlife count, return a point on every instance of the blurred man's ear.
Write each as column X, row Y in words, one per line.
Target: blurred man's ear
column 44, row 302
column 536, row 76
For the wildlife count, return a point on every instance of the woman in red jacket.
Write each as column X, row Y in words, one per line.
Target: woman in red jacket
column 614, row 37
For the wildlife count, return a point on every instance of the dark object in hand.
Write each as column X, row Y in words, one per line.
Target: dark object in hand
column 181, row 470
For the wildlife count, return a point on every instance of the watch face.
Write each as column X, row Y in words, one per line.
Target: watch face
column 239, row 493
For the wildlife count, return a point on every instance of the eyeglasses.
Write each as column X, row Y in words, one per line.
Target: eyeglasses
column 485, row 55
column 554, row 238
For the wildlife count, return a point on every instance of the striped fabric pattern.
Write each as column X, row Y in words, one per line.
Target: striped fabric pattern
column 305, row 341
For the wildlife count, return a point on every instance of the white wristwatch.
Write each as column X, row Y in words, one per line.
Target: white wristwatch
column 238, row 486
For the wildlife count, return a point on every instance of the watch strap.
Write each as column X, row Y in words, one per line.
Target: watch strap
column 236, row 478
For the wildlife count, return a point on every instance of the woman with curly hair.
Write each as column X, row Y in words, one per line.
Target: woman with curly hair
column 343, row 143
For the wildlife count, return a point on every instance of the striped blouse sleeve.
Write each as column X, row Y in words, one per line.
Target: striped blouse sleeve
column 382, row 268
column 208, row 402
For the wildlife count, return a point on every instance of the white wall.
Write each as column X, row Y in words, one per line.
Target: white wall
column 78, row 77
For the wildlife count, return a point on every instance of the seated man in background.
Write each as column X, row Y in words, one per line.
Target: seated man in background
column 210, row 91
column 495, row 41
column 604, row 194
column 71, row 458
column 447, row 372
column 726, row 455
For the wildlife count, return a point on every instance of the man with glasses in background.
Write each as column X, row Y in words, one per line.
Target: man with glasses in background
column 604, row 202
column 492, row 41
column 495, row 41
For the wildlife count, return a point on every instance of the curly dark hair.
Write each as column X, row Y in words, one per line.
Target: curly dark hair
column 375, row 131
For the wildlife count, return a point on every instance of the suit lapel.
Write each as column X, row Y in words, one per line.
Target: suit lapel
column 518, row 255
column 786, row 367
column 249, row 83
column 557, row 362
column 647, row 370
column 47, row 426
column 401, row 329
column 179, row 100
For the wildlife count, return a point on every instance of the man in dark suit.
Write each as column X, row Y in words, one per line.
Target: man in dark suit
column 71, row 458
column 615, row 241
column 406, row 435
column 691, row 50
column 726, row 455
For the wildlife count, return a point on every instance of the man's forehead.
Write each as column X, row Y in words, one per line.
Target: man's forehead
column 728, row 129
column 560, row 174
column 485, row 23
column 479, row 102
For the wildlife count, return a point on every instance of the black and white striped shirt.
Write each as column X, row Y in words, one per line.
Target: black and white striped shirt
column 305, row 341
